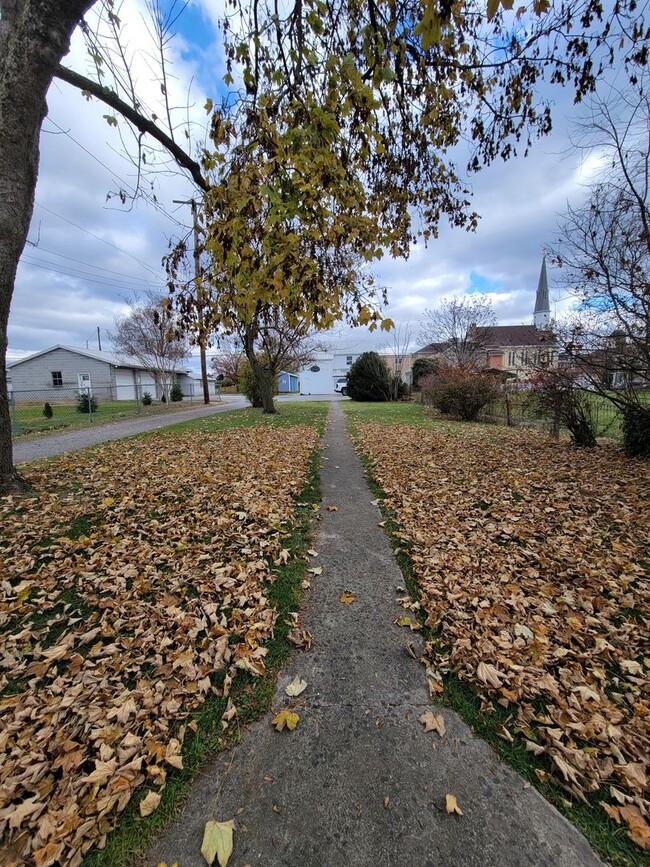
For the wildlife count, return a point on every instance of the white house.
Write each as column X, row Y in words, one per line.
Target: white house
column 321, row 375
column 64, row 370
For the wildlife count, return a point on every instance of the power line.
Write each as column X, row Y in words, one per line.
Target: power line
column 130, row 186
column 98, row 282
column 98, row 238
column 89, row 264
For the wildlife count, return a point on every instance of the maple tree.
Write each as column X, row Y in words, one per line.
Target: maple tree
column 531, row 566
column 130, row 592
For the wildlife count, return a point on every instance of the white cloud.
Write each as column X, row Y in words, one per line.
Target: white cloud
column 63, row 300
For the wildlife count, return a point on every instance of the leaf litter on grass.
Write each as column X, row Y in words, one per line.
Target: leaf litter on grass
column 532, row 563
column 117, row 627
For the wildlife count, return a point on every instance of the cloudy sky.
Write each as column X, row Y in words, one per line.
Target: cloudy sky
column 87, row 253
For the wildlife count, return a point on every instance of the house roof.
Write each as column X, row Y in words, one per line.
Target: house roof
column 514, row 335
column 430, row 348
column 107, row 357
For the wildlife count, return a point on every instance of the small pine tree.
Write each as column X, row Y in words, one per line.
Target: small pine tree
column 48, row 412
column 86, row 403
column 369, row 378
column 146, row 399
column 175, row 393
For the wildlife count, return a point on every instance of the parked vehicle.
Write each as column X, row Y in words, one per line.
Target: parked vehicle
column 341, row 386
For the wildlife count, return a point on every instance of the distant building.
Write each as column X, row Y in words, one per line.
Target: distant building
column 324, row 371
column 516, row 350
column 66, row 369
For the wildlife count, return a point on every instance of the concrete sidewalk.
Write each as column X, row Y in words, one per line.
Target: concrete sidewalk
column 359, row 782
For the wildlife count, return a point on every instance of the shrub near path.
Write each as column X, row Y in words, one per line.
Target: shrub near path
column 532, row 563
column 131, row 590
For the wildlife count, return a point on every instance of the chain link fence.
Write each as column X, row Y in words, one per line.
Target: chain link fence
column 513, row 408
column 46, row 409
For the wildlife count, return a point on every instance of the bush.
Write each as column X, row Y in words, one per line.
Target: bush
column 175, row 393
column 636, row 430
column 459, row 391
column 422, row 367
column 48, row 412
column 248, row 386
column 86, row 402
column 146, row 399
column 369, row 378
column 556, row 395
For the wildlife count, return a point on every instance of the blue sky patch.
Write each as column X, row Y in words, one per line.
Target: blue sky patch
column 480, row 285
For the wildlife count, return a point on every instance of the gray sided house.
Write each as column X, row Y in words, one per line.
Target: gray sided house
column 64, row 370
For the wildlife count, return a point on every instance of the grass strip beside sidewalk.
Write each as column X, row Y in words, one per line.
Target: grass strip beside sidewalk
column 528, row 561
column 144, row 605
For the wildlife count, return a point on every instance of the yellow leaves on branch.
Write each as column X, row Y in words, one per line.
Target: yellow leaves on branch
column 132, row 586
column 531, row 562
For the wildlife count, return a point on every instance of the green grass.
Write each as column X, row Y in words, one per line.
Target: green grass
column 252, row 696
column 310, row 413
column 607, row 838
column 29, row 419
column 400, row 413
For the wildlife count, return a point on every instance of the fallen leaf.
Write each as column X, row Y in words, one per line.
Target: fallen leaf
column 286, row 718
column 316, row 570
column 488, row 674
column 296, row 686
column 149, row 803
column 451, row 805
column 332, row 508
column 503, row 732
column 433, row 722
column 217, row 841
column 347, row 597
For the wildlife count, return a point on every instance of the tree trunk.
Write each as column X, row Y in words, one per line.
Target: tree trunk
column 34, row 36
column 264, row 376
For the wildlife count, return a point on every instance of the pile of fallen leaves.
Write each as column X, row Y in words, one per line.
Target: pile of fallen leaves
column 132, row 588
column 532, row 561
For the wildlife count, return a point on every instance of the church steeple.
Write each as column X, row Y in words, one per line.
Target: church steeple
column 542, row 314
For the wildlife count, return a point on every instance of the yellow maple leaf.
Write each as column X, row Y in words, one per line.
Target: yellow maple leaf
column 347, row 597
column 286, row 718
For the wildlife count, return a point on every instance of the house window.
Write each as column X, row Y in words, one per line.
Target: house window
column 315, row 368
column 348, row 360
column 57, row 379
column 511, row 358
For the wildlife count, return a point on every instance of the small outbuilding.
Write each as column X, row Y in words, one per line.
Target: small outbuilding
column 65, row 370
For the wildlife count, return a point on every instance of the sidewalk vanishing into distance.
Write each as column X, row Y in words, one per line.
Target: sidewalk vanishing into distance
column 359, row 782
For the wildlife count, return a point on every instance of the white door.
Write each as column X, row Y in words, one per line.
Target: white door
column 85, row 385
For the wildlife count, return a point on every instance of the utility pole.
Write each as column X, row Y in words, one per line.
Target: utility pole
column 99, row 339
column 200, row 300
